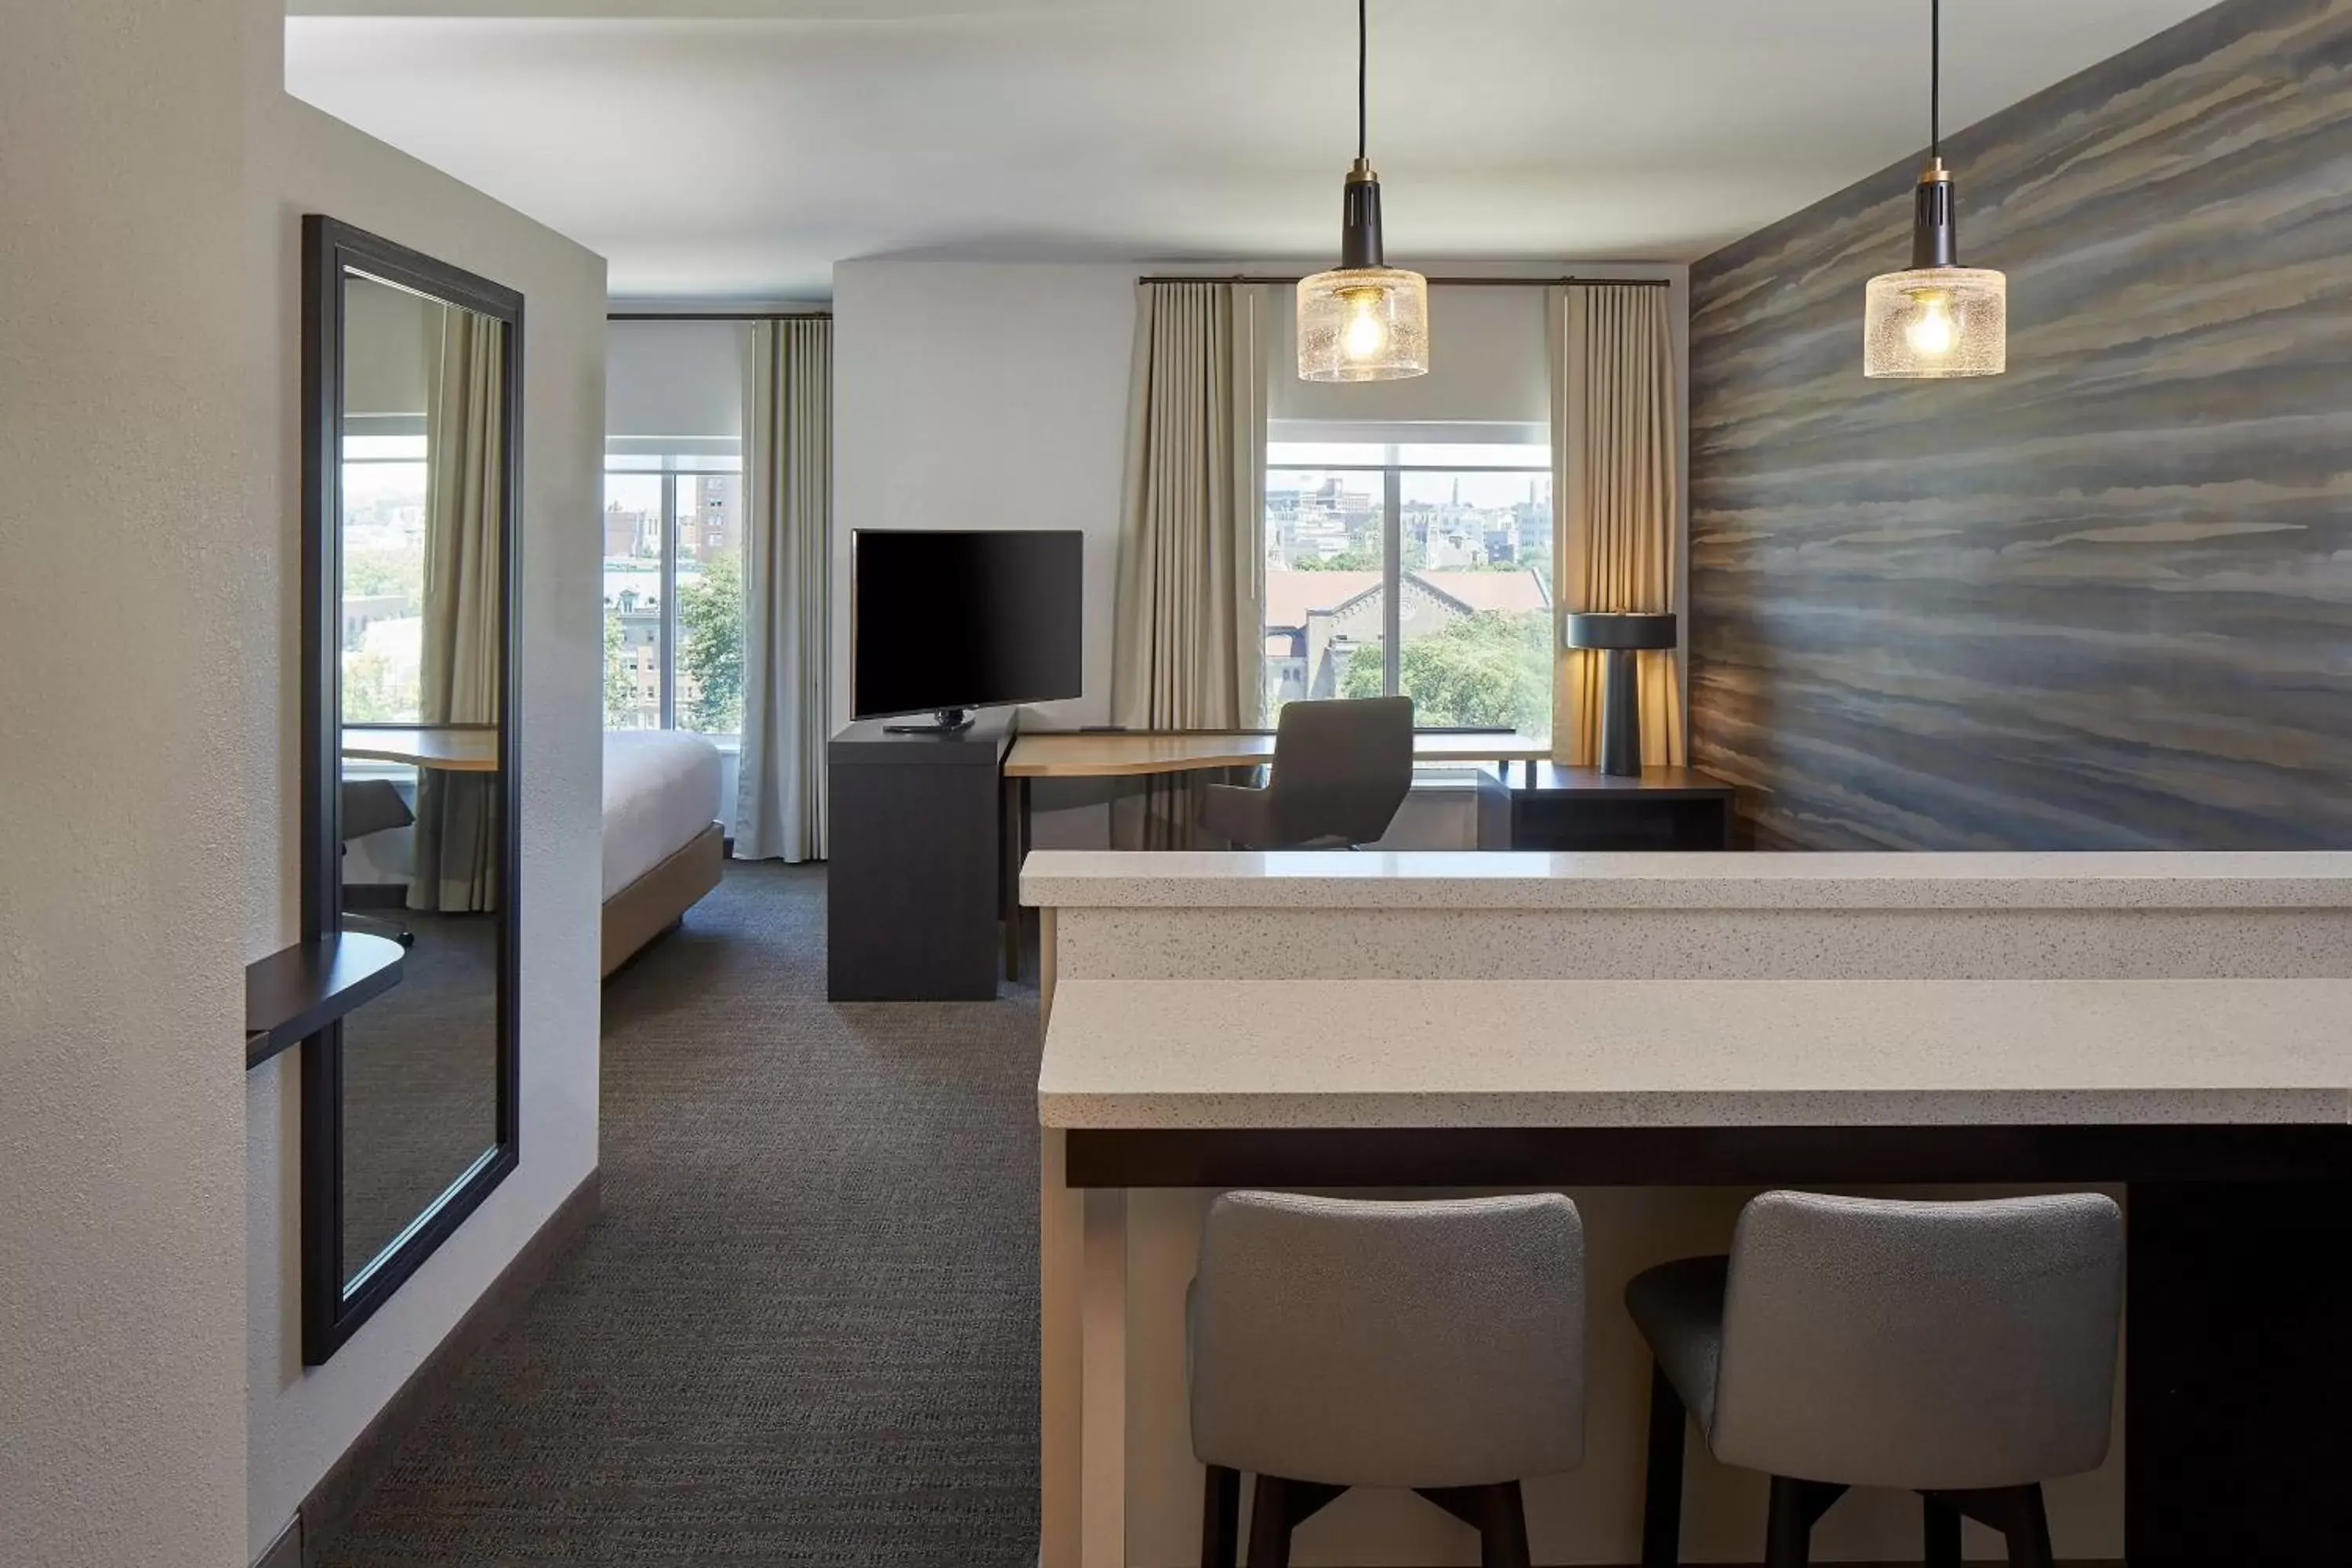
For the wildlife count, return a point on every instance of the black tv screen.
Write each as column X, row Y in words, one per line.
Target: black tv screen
column 963, row 619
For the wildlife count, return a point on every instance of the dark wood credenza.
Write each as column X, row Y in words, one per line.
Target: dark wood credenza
column 1563, row 808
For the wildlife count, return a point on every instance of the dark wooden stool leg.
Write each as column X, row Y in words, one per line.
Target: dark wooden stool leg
column 1662, row 1496
column 1503, row 1539
column 1797, row 1505
column 1498, row 1513
column 1277, row 1509
column 1942, row 1527
column 1221, row 1518
column 2028, row 1542
column 1269, row 1542
column 2016, row 1512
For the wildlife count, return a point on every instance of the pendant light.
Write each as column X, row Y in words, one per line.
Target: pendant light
column 1364, row 320
column 1939, row 318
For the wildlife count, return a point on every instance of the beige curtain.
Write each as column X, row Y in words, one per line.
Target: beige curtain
column 780, row 807
column 1188, row 636
column 1616, row 437
column 460, row 666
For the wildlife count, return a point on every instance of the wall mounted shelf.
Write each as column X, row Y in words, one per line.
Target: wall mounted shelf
column 297, row 991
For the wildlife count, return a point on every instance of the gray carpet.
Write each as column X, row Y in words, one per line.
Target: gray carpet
column 807, row 1329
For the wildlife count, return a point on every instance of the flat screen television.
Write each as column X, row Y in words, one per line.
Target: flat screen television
column 943, row 622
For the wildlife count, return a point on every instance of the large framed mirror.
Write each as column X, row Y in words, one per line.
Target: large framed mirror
column 412, row 487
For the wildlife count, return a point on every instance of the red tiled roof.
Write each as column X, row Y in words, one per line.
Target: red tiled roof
column 1291, row 595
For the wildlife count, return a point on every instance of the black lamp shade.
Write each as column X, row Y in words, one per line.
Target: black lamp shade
column 1615, row 629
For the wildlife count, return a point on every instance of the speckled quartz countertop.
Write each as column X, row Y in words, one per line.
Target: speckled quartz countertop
column 1422, row 1053
column 1485, row 880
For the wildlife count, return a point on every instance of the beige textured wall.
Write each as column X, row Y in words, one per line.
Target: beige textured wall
column 137, row 639
column 300, row 1420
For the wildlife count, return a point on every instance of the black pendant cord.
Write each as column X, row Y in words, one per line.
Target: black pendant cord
column 1363, row 75
column 1935, row 79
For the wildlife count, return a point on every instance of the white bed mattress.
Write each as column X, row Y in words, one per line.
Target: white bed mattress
column 661, row 788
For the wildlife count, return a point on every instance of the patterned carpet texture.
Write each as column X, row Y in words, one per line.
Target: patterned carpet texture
column 805, row 1330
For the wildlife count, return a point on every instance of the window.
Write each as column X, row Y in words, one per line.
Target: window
column 383, row 485
column 1417, row 568
column 674, row 593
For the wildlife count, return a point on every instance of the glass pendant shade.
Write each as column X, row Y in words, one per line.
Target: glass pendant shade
column 1936, row 319
column 1363, row 323
column 1933, row 323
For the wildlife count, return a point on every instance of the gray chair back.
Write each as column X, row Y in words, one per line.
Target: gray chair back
column 1341, row 768
column 1941, row 1346
column 371, row 806
column 1390, row 1344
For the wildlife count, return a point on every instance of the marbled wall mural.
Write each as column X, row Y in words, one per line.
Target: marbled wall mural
column 2104, row 601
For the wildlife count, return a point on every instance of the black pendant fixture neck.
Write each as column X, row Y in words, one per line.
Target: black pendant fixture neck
column 1935, row 219
column 1360, row 220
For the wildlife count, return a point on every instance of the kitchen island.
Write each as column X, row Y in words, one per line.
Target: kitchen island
column 1661, row 1036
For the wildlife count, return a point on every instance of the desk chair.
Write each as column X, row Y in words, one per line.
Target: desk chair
column 1340, row 770
column 1962, row 1351
column 374, row 805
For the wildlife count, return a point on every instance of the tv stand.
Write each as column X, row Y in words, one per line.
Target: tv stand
column 915, row 885
column 946, row 722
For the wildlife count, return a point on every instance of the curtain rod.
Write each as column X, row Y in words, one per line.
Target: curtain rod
column 1433, row 282
column 717, row 315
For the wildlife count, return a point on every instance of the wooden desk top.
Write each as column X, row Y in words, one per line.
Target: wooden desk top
column 453, row 748
column 1115, row 753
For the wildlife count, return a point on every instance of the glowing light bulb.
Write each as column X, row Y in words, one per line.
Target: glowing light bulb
column 1933, row 333
column 1365, row 334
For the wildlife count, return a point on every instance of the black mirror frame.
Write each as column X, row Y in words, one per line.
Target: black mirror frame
column 330, row 1313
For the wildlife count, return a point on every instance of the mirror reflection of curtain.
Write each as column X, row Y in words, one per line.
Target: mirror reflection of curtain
column 1188, row 640
column 457, row 812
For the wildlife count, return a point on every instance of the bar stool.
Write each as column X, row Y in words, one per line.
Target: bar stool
column 1334, row 1343
column 1962, row 1351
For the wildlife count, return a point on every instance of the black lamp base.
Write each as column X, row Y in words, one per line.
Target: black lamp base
column 1620, row 715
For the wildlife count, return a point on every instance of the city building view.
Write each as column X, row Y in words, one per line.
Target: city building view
column 687, row 526
column 1471, row 586
column 383, row 578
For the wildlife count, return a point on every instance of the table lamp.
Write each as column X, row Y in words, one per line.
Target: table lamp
column 1621, row 635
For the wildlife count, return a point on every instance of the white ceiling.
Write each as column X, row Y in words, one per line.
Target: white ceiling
column 736, row 148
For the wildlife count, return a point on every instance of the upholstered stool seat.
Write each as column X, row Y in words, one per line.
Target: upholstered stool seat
column 1963, row 1350
column 1431, row 1346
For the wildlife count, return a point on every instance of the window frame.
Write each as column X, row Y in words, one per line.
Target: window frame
column 1392, row 470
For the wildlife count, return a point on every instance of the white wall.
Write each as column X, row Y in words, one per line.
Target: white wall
column 975, row 395
column 298, row 1422
column 132, row 508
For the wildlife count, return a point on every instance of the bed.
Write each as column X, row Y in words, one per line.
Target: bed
column 663, row 842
